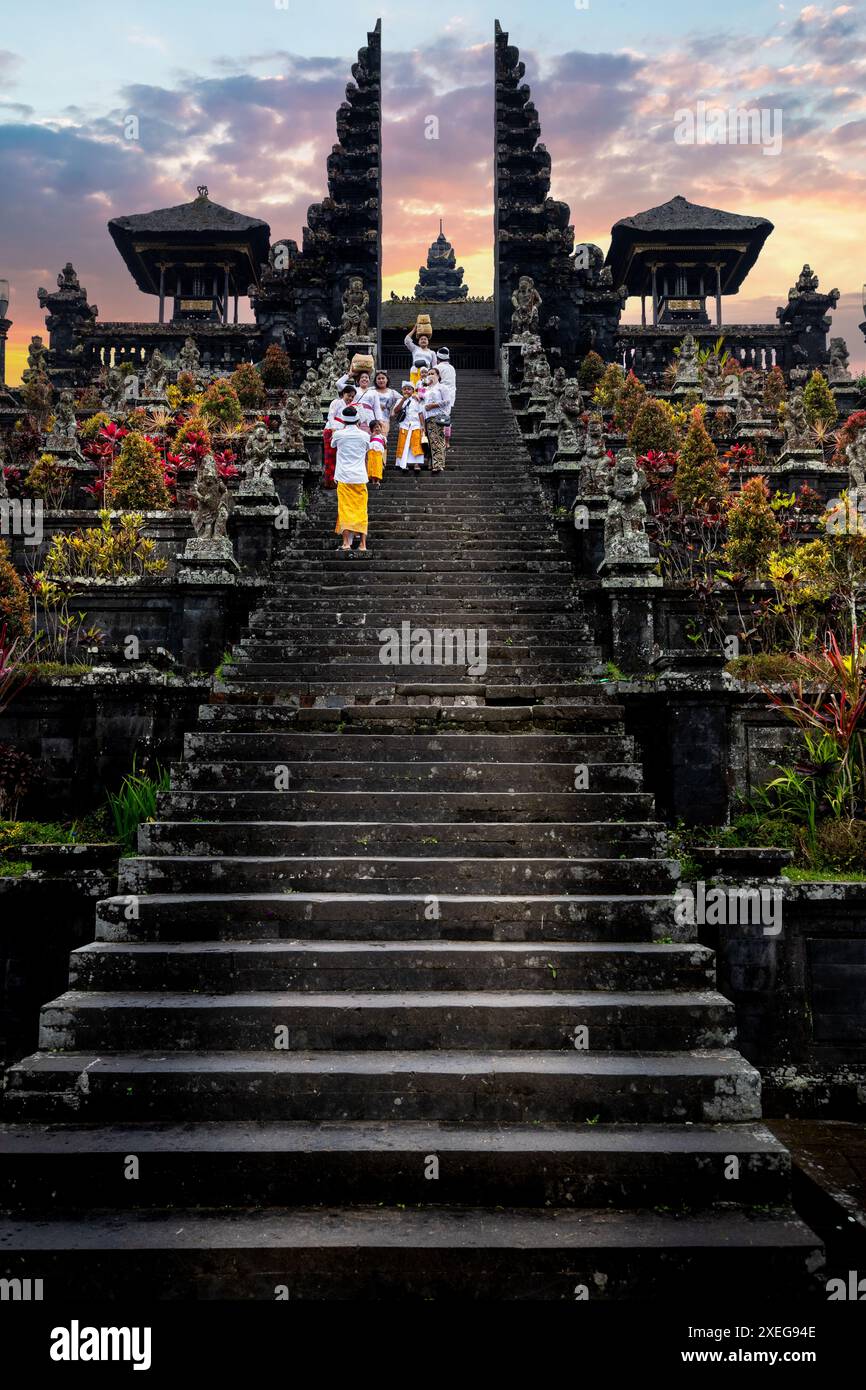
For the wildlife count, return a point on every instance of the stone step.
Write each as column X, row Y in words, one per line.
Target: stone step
column 412, row 1255
column 710, row 1086
column 380, row 1021
column 388, row 917
column 343, row 774
column 379, row 874
column 369, row 673
column 641, row 839
column 485, row 569
column 278, row 1164
column 360, row 625
column 217, row 967
column 364, row 644
column 391, row 719
column 400, row 806
column 400, row 747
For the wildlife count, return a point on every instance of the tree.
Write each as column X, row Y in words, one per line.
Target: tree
column 818, row 400
column 654, row 429
column 630, row 399
column 248, row 386
column 137, row 476
column 591, row 372
column 607, row 391
column 221, row 405
column 775, row 390
column 276, row 368
column 14, row 604
column 754, row 530
column 698, row 479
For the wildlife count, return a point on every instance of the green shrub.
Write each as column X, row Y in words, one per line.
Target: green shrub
column 137, row 478
column 276, row 368
column 698, row 478
column 14, row 604
column 248, row 386
column 629, row 402
column 818, row 400
column 608, row 390
column 753, row 528
column 842, row 844
column 591, row 372
column 654, row 429
column 50, row 480
column 136, row 802
column 221, row 404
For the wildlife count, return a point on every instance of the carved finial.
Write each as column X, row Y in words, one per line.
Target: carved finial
column 441, row 229
column 202, row 190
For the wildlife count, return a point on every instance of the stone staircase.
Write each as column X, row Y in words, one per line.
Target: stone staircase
column 391, row 1003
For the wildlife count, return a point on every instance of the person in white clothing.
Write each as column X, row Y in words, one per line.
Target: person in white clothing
column 409, row 416
column 351, row 443
column 449, row 381
column 388, row 399
column 437, row 410
column 421, row 349
column 345, row 397
column 367, row 403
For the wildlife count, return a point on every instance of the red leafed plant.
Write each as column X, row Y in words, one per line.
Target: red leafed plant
column 12, row 677
column 836, row 716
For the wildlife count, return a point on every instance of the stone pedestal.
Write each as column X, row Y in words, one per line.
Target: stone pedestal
column 255, row 516
column 846, row 394
column 315, row 447
column 207, row 562
column 747, row 430
column 630, row 588
column 291, row 477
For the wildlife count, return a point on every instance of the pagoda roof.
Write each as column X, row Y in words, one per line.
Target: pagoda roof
column 676, row 226
column 145, row 238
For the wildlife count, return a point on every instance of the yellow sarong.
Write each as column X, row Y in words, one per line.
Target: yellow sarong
column 351, row 508
column 409, row 445
column 374, row 463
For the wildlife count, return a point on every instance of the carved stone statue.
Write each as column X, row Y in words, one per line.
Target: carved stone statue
column 807, row 283
column 688, row 376
column 855, row 453
column 750, row 402
column 210, row 518
column 526, row 304
column 115, row 391
column 839, row 357
column 570, row 410
column 63, row 436
column 356, row 310
column 189, row 359
column 37, row 359
column 796, row 424
column 595, row 477
column 558, row 384
column 713, row 383
column 258, row 465
column 536, row 370
column 291, row 431
column 155, row 376
column 311, row 407
column 625, row 534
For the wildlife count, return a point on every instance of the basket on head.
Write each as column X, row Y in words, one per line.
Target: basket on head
column 361, row 362
column 423, row 326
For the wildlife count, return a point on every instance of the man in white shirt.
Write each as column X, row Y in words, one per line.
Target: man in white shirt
column 448, row 377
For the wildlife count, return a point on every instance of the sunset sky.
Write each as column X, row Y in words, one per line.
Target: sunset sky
column 242, row 97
